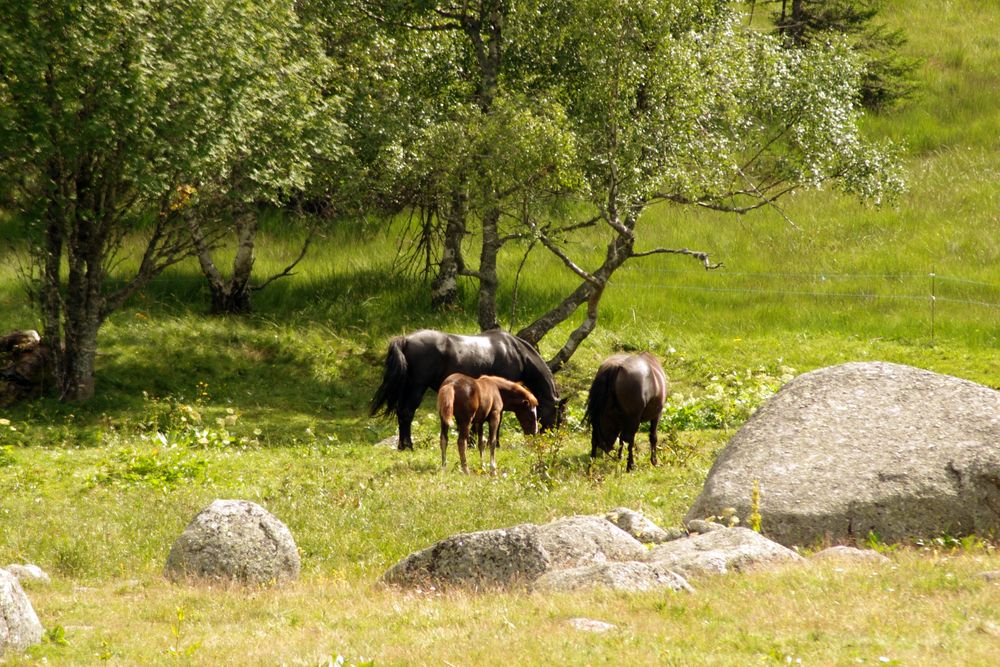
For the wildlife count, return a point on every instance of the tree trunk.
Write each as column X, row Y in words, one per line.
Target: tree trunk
column 444, row 287
column 488, row 280
column 232, row 296
column 589, row 292
column 84, row 304
column 77, row 359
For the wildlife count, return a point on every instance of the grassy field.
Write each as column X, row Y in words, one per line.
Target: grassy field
column 272, row 408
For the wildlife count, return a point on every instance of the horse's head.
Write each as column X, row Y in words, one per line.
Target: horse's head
column 550, row 415
column 519, row 400
column 527, row 416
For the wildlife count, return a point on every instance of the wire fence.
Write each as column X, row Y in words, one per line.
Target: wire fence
column 931, row 288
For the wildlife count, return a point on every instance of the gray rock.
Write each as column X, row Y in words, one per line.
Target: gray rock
column 845, row 553
column 504, row 558
column 29, row 573
column 19, row 625
column 641, row 528
column 582, row 540
column 701, row 526
column 719, row 552
column 515, row 557
column 631, row 576
column 591, row 625
column 991, row 575
column 865, row 447
column 234, row 540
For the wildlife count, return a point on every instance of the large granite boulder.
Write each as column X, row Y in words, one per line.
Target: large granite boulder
column 864, row 448
column 19, row 625
column 720, row 552
column 502, row 558
column 234, row 540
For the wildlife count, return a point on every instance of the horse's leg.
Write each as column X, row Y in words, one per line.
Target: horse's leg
column 653, row 439
column 407, row 407
column 480, row 445
column 444, row 443
column 494, row 441
column 463, row 439
column 628, row 437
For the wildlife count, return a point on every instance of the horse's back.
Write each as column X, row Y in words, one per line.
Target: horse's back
column 640, row 384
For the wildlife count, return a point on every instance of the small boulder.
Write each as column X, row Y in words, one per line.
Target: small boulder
column 582, row 540
column 29, row 574
column 19, row 625
column 845, row 553
column 234, row 540
column 720, row 551
column 503, row 558
column 631, row 576
column 641, row 528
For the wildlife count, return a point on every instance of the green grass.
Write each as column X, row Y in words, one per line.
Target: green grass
column 273, row 408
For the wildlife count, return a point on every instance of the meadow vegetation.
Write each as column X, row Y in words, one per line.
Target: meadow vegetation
column 272, row 408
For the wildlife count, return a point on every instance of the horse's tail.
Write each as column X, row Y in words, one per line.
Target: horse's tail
column 394, row 376
column 446, row 404
column 602, row 390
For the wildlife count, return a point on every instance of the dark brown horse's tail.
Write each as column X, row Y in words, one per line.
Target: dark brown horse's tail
column 394, row 376
column 602, row 390
column 446, row 404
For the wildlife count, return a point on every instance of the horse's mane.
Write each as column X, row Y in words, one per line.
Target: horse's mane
column 541, row 370
column 506, row 384
column 601, row 391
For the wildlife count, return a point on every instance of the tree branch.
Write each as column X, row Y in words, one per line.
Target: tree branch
column 697, row 254
column 288, row 269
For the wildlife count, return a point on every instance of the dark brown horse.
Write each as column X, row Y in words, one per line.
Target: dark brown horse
column 423, row 359
column 471, row 402
column 628, row 389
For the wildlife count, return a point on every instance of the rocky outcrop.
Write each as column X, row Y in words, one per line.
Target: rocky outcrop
column 862, row 448
column 234, row 540
column 581, row 552
column 19, row 625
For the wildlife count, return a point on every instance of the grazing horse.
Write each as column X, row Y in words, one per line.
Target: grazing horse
column 628, row 389
column 471, row 402
column 423, row 359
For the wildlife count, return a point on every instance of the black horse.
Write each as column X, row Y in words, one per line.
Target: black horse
column 423, row 359
column 627, row 390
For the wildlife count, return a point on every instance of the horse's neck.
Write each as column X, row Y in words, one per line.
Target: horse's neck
column 537, row 375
